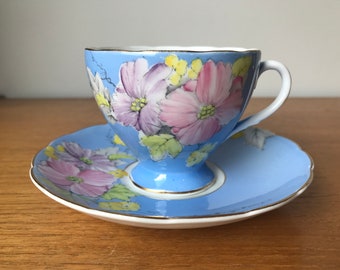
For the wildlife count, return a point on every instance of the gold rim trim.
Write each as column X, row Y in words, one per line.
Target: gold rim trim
column 99, row 213
column 166, row 192
column 189, row 192
column 173, row 49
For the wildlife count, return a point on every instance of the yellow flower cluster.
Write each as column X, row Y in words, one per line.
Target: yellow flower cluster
column 181, row 68
column 117, row 140
column 119, row 173
column 101, row 100
column 50, row 151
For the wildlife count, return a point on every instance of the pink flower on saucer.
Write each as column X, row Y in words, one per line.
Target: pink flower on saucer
column 137, row 97
column 67, row 176
column 87, row 158
column 196, row 111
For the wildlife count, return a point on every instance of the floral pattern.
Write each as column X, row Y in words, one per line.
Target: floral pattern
column 208, row 103
column 101, row 94
column 135, row 102
column 90, row 173
column 201, row 154
column 96, row 178
column 82, row 182
column 174, row 104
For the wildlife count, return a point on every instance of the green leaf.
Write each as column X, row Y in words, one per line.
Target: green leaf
column 241, row 66
column 120, row 192
column 195, row 158
column 120, row 206
column 120, row 156
column 200, row 154
column 208, row 147
column 173, row 147
column 157, row 153
column 161, row 145
column 156, row 140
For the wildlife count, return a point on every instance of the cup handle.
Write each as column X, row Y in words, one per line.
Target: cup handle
column 278, row 101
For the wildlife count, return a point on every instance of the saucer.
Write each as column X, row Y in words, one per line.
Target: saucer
column 86, row 171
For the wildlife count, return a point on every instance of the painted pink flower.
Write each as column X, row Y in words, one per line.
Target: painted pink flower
column 196, row 111
column 67, row 176
column 86, row 158
column 137, row 97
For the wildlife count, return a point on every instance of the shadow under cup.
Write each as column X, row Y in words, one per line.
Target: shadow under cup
column 174, row 106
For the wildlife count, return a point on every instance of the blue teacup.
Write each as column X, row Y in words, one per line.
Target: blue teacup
column 174, row 106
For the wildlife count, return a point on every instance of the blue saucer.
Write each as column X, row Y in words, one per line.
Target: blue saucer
column 85, row 171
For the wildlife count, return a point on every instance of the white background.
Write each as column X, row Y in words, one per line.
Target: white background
column 42, row 41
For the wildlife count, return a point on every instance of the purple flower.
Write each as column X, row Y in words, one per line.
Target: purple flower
column 85, row 158
column 137, row 97
column 67, row 176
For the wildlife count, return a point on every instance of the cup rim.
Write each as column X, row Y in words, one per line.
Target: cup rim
column 195, row 49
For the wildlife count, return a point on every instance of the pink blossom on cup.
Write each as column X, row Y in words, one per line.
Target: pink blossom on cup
column 137, row 97
column 237, row 84
column 196, row 111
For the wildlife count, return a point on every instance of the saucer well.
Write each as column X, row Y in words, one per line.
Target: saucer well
column 85, row 171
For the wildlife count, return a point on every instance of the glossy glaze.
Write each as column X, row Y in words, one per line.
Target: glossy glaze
column 173, row 107
column 258, row 179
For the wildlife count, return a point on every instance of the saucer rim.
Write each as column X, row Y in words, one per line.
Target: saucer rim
column 167, row 221
column 75, row 205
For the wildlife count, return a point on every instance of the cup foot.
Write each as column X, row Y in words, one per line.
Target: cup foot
column 190, row 191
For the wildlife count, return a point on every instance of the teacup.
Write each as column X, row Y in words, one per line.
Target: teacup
column 172, row 107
